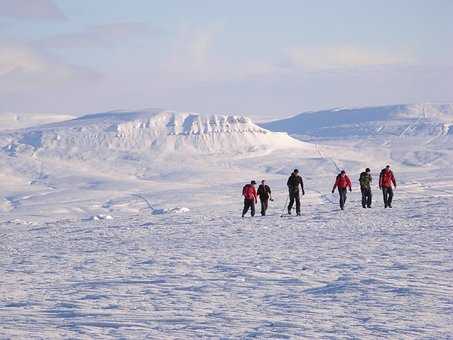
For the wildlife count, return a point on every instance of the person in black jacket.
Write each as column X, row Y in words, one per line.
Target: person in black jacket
column 264, row 193
column 365, row 187
column 293, row 187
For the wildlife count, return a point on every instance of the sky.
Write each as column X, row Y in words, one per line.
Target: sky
column 262, row 58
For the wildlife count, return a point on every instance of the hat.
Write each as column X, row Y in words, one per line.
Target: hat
column 296, row 170
column 342, row 172
column 253, row 182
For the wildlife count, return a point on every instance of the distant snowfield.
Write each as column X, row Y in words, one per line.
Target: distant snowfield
column 127, row 224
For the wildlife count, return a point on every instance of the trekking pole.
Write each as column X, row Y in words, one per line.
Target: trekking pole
column 284, row 207
column 145, row 200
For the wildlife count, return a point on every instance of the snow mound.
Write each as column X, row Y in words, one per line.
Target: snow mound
column 129, row 135
column 397, row 120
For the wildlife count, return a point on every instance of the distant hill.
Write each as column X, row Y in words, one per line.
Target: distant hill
column 145, row 134
column 11, row 121
column 395, row 120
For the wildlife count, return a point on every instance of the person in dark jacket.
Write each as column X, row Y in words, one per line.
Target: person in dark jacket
column 264, row 193
column 250, row 199
column 386, row 179
column 365, row 187
column 293, row 187
column 342, row 183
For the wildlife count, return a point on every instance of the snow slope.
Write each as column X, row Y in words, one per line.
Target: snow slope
column 396, row 120
column 416, row 136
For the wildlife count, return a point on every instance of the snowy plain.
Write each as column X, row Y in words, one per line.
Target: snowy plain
column 102, row 239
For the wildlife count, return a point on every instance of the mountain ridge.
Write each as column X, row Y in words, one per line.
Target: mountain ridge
column 147, row 132
column 393, row 120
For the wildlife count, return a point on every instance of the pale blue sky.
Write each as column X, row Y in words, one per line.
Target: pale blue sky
column 262, row 58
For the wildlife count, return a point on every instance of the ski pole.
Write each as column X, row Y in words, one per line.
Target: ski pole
column 284, row 207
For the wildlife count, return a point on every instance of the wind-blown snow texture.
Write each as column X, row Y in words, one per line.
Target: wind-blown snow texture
column 370, row 273
column 127, row 225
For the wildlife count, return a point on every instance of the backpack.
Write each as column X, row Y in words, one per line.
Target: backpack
column 365, row 180
column 249, row 192
column 263, row 191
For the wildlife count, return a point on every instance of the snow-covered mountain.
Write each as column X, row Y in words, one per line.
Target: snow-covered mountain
column 146, row 133
column 396, row 120
column 127, row 151
column 12, row 121
column 106, row 157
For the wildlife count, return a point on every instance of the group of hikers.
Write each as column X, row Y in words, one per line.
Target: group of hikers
column 342, row 182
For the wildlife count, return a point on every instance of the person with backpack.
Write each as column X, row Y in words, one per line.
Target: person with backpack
column 342, row 182
column 365, row 187
column 386, row 179
column 264, row 192
column 293, row 187
column 250, row 198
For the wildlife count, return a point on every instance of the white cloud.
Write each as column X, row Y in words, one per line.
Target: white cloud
column 23, row 68
column 31, row 9
column 341, row 57
column 190, row 54
column 200, row 46
column 101, row 36
column 194, row 56
column 19, row 59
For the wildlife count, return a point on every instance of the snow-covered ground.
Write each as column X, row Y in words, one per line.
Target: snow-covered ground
column 207, row 273
column 127, row 225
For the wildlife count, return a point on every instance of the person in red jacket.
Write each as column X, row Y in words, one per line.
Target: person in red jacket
column 386, row 179
column 250, row 198
column 342, row 183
